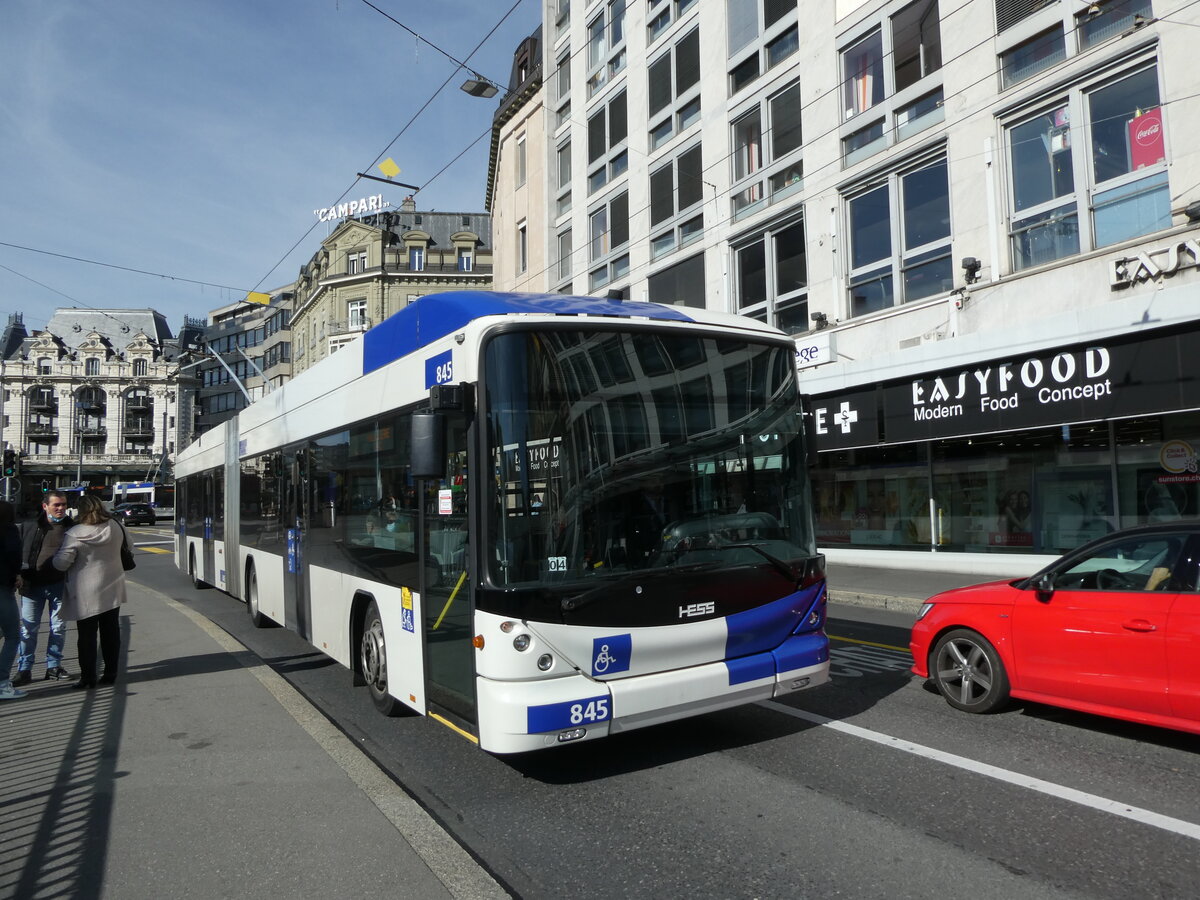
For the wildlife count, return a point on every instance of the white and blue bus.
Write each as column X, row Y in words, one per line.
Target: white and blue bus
column 540, row 519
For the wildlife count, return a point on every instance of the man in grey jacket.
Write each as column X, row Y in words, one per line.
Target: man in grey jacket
column 41, row 586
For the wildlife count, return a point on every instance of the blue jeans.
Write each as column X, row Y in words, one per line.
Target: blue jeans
column 10, row 628
column 37, row 598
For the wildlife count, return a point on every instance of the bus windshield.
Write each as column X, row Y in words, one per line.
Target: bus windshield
column 631, row 455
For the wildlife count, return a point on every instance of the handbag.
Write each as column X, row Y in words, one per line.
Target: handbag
column 127, row 560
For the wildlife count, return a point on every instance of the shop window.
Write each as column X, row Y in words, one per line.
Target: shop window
column 903, row 255
column 891, row 86
column 772, row 277
column 1152, row 454
column 1096, row 158
column 765, row 171
column 676, row 195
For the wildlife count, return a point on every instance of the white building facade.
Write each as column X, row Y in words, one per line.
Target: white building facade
column 980, row 219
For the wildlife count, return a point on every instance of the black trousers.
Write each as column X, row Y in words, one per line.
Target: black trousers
column 108, row 626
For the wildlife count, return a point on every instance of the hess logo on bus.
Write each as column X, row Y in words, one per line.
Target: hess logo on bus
column 697, row 609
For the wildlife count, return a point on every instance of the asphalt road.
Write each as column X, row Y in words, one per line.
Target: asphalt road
column 870, row 786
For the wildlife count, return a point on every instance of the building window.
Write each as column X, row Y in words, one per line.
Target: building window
column 772, row 278
column 1010, row 12
column 416, row 259
column 675, row 89
column 465, row 259
column 522, row 248
column 356, row 314
column 608, row 128
column 1032, row 56
column 1089, row 172
column 44, row 366
column 521, row 167
column 562, row 84
column 762, row 33
column 662, row 13
column 91, row 366
column 563, row 204
column 140, row 366
column 608, row 233
column 356, row 262
column 767, row 171
column 680, row 285
column 564, row 255
column 606, row 45
column 676, row 198
column 891, row 88
column 899, row 233
column 1102, row 21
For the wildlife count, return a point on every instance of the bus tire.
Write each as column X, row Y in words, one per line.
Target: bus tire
column 257, row 619
column 372, row 657
column 197, row 582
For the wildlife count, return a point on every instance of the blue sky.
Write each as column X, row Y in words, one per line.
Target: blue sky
column 194, row 138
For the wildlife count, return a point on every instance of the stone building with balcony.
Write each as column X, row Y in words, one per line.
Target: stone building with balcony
column 247, row 352
column 372, row 266
column 95, row 398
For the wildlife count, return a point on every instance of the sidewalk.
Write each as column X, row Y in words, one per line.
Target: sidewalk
column 902, row 590
column 202, row 773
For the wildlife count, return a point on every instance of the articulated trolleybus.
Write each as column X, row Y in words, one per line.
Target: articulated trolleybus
column 540, row 519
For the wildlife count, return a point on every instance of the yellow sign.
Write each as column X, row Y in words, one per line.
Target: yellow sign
column 258, row 297
column 389, row 168
column 406, row 598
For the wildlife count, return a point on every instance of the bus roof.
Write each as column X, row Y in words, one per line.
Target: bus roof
column 437, row 315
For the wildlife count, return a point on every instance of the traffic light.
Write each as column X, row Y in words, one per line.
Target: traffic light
column 10, row 463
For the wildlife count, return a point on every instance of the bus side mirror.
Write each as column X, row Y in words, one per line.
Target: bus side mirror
column 428, row 445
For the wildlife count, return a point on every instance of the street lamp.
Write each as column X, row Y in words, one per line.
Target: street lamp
column 479, row 87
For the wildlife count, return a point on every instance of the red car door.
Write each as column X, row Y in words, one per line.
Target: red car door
column 1183, row 656
column 1100, row 635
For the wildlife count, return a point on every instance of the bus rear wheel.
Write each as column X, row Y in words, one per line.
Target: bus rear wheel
column 373, row 662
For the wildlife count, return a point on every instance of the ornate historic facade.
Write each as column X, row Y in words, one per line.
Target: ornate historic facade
column 97, row 397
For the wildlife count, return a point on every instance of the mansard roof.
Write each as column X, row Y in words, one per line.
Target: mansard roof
column 118, row 326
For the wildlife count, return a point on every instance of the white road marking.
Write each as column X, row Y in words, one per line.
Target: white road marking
column 1103, row 804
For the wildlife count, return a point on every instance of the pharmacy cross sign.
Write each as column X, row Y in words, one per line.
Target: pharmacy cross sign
column 846, row 417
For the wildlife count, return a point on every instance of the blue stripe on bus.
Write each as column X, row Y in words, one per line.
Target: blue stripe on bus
column 437, row 315
column 764, row 628
column 800, row 651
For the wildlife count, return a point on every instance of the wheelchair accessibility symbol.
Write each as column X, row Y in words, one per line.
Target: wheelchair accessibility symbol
column 611, row 654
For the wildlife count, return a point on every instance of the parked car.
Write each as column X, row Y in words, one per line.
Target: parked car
column 1112, row 628
column 135, row 513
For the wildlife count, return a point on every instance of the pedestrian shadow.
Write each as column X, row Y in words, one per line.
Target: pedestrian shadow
column 59, row 772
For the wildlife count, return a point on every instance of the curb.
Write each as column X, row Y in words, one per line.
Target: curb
column 910, row 605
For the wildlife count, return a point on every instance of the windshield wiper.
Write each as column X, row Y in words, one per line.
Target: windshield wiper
column 788, row 570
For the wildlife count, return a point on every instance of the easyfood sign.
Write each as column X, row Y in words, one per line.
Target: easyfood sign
column 1117, row 378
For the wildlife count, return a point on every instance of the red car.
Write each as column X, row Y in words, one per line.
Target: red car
column 1112, row 628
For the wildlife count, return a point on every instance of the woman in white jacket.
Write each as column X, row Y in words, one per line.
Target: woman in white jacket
column 91, row 557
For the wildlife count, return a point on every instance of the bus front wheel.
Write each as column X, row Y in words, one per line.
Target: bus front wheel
column 373, row 661
column 197, row 582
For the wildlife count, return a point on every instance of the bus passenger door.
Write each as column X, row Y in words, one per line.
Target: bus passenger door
column 295, row 503
column 446, row 592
